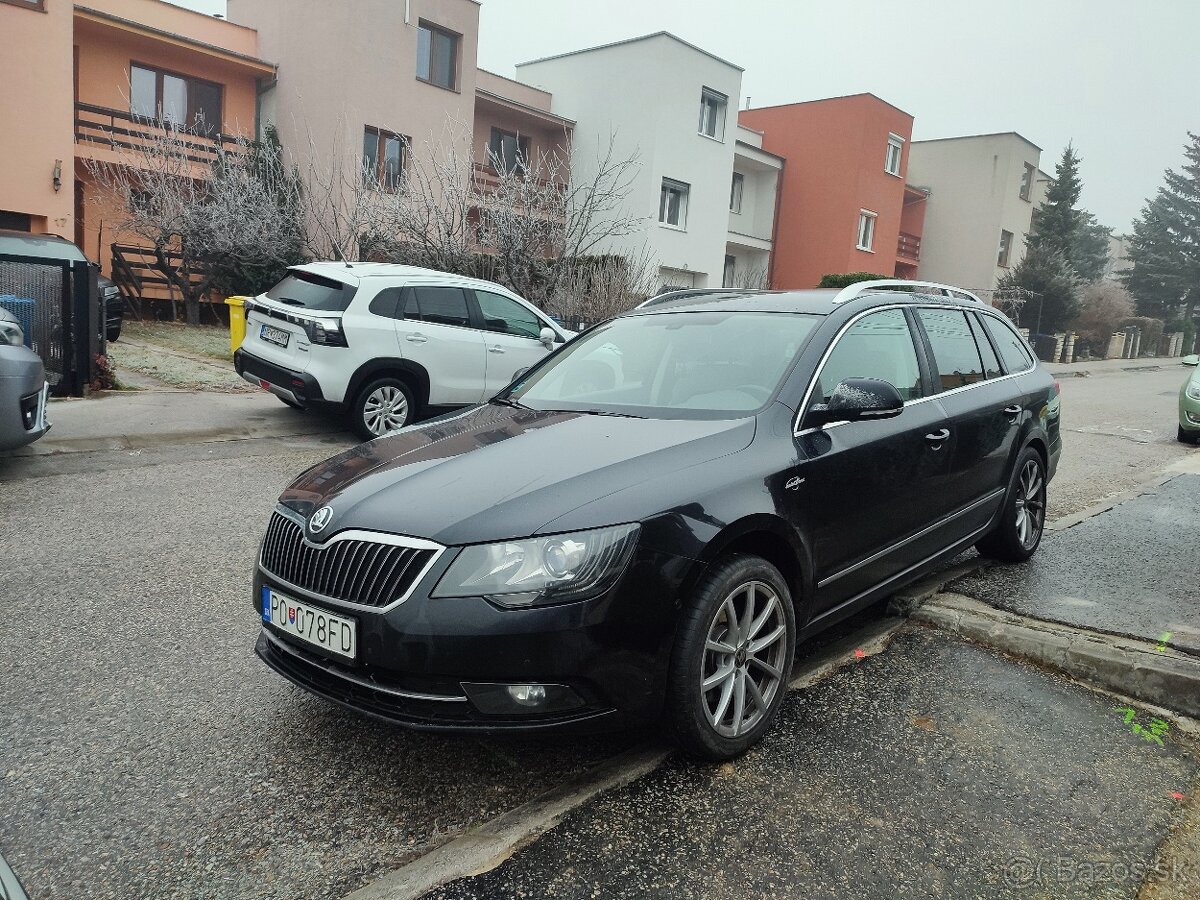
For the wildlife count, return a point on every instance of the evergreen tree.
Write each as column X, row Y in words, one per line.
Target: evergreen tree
column 1048, row 273
column 1089, row 248
column 1165, row 245
column 1057, row 221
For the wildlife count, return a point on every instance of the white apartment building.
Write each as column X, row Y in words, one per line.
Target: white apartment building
column 982, row 192
column 674, row 107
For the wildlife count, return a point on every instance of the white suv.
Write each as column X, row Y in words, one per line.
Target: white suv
column 388, row 342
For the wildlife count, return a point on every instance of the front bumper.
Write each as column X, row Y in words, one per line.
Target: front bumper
column 296, row 387
column 24, row 393
column 1189, row 413
column 415, row 657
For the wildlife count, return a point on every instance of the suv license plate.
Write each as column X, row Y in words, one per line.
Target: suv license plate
column 274, row 335
column 333, row 634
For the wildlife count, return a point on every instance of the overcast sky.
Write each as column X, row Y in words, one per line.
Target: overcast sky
column 1117, row 78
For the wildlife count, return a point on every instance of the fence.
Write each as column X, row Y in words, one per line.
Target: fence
column 55, row 302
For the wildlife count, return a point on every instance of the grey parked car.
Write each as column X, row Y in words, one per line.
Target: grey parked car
column 23, row 388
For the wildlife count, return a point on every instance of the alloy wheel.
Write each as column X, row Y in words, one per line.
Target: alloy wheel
column 385, row 409
column 1031, row 504
column 744, row 652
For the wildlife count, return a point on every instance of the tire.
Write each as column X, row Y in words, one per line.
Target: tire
column 382, row 406
column 1018, row 534
column 1187, row 437
column 113, row 334
column 706, row 723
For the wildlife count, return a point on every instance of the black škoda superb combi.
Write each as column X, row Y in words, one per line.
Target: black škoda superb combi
column 645, row 524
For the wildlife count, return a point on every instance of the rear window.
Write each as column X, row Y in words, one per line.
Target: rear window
column 308, row 291
column 1013, row 349
column 41, row 246
column 956, row 355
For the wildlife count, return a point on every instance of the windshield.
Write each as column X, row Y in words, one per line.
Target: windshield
column 309, row 291
column 41, row 246
column 696, row 365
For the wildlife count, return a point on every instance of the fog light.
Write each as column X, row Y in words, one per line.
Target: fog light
column 521, row 699
column 528, row 694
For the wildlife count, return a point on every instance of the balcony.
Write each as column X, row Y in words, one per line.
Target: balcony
column 119, row 131
column 909, row 247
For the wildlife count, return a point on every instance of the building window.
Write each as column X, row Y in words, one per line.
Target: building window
column 895, row 149
column 672, row 205
column 185, row 103
column 385, row 157
column 712, row 113
column 866, row 230
column 39, row 5
column 437, row 56
column 735, row 192
column 1027, row 181
column 508, row 151
column 1006, row 239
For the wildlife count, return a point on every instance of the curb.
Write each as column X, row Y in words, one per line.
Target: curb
column 1126, row 666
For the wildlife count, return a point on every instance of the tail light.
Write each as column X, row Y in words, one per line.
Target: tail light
column 327, row 333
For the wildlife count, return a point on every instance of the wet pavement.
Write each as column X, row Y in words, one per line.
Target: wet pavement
column 936, row 769
column 1134, row 570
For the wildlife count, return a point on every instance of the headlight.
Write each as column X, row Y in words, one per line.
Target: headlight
column 1193, row 390
column 11, row 333
column 541, row 570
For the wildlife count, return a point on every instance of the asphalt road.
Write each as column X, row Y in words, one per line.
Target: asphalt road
column 145, row 751
column 1129, row 571
column 1119, row 428
column 935, row 769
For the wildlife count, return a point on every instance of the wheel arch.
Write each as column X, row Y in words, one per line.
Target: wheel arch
column 771, row 538
column 412, row 374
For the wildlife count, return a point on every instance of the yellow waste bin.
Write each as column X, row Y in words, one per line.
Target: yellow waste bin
column 237, row 321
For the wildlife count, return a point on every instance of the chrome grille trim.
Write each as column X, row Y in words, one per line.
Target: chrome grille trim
column 367, row 570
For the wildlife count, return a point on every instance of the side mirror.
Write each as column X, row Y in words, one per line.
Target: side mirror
column 856, row 399
column 1192, row 360
column 548, row 337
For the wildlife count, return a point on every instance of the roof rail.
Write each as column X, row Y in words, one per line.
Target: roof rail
column 891, row 284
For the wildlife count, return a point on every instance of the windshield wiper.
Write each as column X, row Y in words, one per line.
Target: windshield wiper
column 509, row 402
column 604, row 412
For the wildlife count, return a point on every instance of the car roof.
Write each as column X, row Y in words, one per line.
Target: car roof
column 353, row 273
column 46, row 246
column 818, row 301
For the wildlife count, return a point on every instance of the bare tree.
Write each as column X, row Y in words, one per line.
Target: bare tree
column 751, row 278
column 1106, row 304
column 240, row 209
column 591, row 289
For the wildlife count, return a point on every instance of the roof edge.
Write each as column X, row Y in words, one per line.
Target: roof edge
column 633, row 40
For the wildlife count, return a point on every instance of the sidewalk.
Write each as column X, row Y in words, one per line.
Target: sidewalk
column 134, row 420
column 1111, row 366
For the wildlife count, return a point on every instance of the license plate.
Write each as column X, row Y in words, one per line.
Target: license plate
column 335, row 634
column 274, row 335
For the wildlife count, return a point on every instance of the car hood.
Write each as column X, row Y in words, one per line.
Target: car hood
column 495, row 472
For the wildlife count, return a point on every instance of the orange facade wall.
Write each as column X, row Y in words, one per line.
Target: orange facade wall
column 35, row 115
column 835, row 151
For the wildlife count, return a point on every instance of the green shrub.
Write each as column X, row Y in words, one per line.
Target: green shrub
column 849, row 278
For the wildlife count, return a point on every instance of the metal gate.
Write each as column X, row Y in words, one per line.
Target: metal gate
column 52, row 299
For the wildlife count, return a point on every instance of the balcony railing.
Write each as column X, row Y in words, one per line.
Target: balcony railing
column 909, row 246
column 120, row 130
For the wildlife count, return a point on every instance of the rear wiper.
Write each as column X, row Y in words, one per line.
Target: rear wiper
column 289, row 301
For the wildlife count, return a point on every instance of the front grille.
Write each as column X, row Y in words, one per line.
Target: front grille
column 366, row 572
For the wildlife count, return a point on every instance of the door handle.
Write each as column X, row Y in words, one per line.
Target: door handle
column 1014, row 410
column 416, row 338
column 496, row 349
column 938, row 437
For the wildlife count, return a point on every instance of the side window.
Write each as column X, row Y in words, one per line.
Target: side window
column 442, row 306
column 879, row 346
column 956, row 358
column 1013, row 350
column 991, row 364
column 386, row 303
column 503, row 315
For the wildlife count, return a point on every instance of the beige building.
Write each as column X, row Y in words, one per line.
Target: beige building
column 982, row 192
